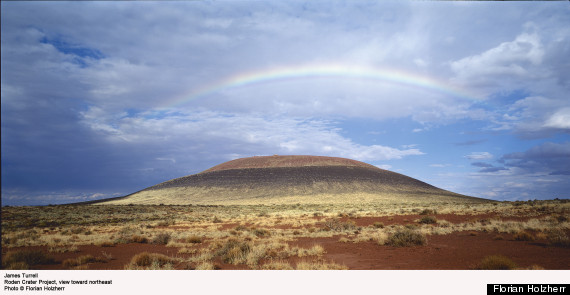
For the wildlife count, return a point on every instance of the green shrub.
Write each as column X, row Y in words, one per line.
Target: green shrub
column 496, row 262
column 406, row 238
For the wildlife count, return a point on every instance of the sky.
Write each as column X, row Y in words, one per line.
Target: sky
column 102, row 99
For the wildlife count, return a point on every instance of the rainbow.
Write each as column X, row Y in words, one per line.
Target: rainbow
column 321, row 71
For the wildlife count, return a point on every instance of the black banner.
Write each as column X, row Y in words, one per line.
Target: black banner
column 533, row 289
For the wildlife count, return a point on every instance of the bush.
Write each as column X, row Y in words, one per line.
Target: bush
column 26, row 257
column 428, row 211
column 261, row 232
column 337, row 225
column 234, row 252
column 406, row 238
column 194, row 240
column 428, row 220
column 81, row 261
column 378, row 225
column 496, row 262
column 557, row 237
column 150, row 260
column 138, row 239
column 161, row 239
column 523, row 236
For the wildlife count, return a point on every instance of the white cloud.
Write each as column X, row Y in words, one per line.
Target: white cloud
column 559, row 120
column 507, row 59
column 536, row 116
column 479, row 156
column 439, row 165
column 230, row 134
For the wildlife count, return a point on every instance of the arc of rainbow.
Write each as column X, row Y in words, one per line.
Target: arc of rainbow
column 322, row 71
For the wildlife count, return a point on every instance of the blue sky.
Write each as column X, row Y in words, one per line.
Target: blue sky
column 101, row 99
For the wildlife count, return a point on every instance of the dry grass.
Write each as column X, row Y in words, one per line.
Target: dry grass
column 406, row 238
column 23, row 259
column 81, row 261
column 319, row 265
column 496, row 262
column 262, row 234
column 154, row 261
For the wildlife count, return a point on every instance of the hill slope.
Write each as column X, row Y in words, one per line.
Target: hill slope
column 292, row 179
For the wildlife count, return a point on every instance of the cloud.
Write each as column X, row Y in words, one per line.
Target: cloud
column 512, row 59
column 440, row 165
column 548, row 158
column 479, row 156
column 231, row 134
column 481, row 164
column 540, row 172
column 559, row 120
column 470, row 142
column 537, row 116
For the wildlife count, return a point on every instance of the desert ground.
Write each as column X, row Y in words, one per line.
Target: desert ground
column 411, row 235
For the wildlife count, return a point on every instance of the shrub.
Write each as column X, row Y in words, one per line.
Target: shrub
column 194, row 240
column 319, row 265
column 428, row 220
column 107, row 244
column 161, row 239
column 406, row 238
column 557, row 237
column 337, row 225
column 496, row 262
column 523, row 236
column 150, row 260
column 205, row 265
column 277, row 265
column 428, row 211
column 378, row 225
column 165, row 223
column 234, row 252
column 138, row 239
column 27, row 257
column 261, row 232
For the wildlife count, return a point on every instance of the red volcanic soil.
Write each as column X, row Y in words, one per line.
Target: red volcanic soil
column 287, row 161
column 459, row 250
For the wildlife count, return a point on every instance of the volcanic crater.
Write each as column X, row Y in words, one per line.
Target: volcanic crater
column 290, row 179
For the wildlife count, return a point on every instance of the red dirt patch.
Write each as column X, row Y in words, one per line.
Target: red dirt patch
column 459, row 250
column 287, row 161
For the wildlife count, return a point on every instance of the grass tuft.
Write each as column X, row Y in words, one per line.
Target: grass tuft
column 147, row 260
column 406, row 238
column 161, row 239
column 523, row 236
column 428, row 220
column 557, row 237
column 496, row 262
column 23, row 258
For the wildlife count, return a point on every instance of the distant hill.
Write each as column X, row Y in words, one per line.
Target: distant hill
column 291, row 180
